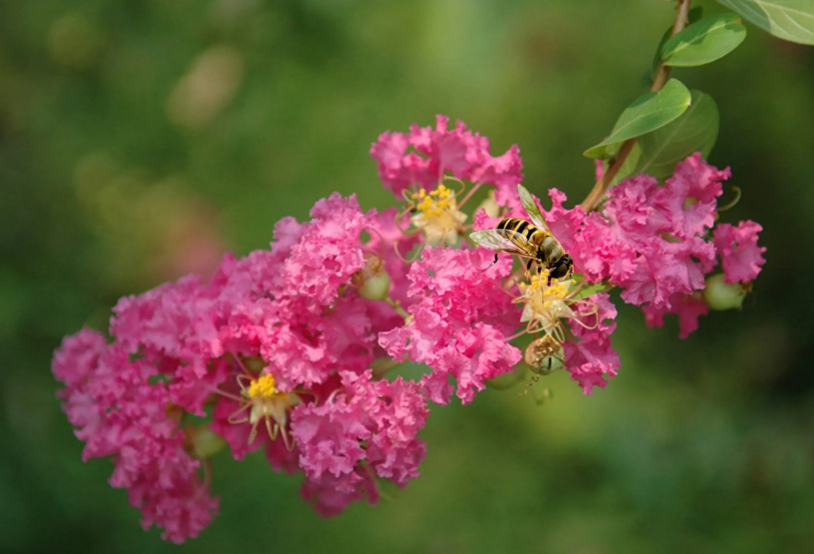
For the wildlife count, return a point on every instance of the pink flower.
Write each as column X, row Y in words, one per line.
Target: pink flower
column 648, row 238
column 117, row 411
column 330, row 495
column 374, row 423
column 438, row 151
column 686, row 203
column 170, row 321
column 476, row 355
column 688, row 307
column 591, row 357
column 741, row 257
column 327, row 253
column 666, row 268
column 461, row 315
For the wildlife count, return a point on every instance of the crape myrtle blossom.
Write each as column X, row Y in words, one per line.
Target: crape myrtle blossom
column 117, row 411
column 460, row 318
column 653, row 241
column 422, row 157
column 276, row 347
column 288, row 350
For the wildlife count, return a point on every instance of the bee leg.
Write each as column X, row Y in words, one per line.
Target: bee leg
column 528, row 265
column 494, row 262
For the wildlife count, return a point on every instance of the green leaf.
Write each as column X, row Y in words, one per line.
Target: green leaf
column 695, row 131
column 629, row 166
column 693, row 16
column 704, row 41
column 590, row 290
column 647, row 113
column 791, row 20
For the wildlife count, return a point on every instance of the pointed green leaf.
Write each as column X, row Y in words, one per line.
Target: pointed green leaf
column 590, row 290
column 693, row 16
column 647, row 113
column 630, row 165
column 695, row 131
column 657, row 153
column 791, row 20
column 704, row 41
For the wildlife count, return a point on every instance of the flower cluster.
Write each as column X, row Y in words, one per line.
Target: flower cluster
column 656, row 242
column 275, row 352
column 288, row 349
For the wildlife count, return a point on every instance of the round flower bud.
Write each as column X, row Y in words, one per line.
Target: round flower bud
column 376, row 287
column 203, row 443
column 723, row 296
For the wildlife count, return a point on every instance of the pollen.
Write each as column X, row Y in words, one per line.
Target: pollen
column 263, row 403
column 263, row 387
column 545, row 304
column 436, row 214
column 542, row 350
column 543, row 294
column 553, row 289
column 435, row 203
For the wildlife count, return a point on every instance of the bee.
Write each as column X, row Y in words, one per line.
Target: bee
column 528, row 240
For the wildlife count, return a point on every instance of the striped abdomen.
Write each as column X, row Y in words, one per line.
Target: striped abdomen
column 522, row 227
column 538, row 243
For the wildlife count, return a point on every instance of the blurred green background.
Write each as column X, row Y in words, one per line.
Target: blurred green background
column 139, row 139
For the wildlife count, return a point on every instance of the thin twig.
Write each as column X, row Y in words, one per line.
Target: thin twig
column 662, row 74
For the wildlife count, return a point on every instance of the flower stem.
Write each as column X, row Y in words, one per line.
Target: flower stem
column 469, row 195
column 396, row 305
column 662, row 74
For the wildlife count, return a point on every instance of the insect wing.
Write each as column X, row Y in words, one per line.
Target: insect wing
column 497, row 241
column 531, row 208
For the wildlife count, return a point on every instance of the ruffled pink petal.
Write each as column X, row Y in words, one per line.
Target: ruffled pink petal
column 741, row 257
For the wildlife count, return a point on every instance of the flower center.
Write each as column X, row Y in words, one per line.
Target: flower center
column 265, row 404
column 545, row 293
column 436, row 214
column 435, row 203
column 262, row 387
column 545, row 304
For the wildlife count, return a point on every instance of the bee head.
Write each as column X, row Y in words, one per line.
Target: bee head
column 563, row 268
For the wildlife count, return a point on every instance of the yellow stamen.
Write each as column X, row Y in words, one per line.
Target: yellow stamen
column 435, row 203
column 436, row 214
column 262, row 387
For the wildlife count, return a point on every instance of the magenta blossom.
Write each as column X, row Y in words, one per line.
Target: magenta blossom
column 263, row 345
column 288, row 349
column 118, row 412
column 460, row 318
column 653, row 241
column 424, row 155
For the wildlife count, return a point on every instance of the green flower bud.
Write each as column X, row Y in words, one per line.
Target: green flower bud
column 376, row 287
column 723, row 296
column 203, row 442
